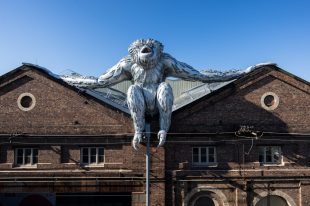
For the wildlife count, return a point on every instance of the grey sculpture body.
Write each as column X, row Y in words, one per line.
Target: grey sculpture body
column 147, row 66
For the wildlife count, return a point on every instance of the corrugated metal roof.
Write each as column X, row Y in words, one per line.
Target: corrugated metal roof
column 178, row 86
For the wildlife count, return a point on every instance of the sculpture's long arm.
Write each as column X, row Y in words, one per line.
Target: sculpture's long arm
column 118, row 73
column 184, row 71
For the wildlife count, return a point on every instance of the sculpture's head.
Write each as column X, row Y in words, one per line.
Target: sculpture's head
column 146, row 52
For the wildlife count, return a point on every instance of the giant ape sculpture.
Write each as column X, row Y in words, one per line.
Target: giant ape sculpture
column 147, row 66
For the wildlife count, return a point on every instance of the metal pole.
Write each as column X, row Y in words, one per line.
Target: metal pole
column 147, row 160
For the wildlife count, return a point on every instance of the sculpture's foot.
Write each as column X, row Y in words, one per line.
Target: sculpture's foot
column 162, row 134
column 136, row 140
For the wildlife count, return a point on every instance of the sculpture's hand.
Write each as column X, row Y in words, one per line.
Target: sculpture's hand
column 218, row 76
column 245, row 71
column 162, row 134
column 136, row 140
column 249, row 69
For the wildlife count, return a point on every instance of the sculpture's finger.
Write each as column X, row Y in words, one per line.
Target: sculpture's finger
column 162, row 138
column 249, row 69
column 136, row 141
column 135, row 144
column 161, row 142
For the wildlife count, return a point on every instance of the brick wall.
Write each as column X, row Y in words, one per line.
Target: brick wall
column 213, row 121
column 64, row 120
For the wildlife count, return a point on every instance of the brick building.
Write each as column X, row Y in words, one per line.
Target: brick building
column 243, row 144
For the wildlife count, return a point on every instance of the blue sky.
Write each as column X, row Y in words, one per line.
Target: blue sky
column 90, row 36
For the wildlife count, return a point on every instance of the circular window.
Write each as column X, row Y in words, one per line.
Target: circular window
column 270, row 101
column 26, row 101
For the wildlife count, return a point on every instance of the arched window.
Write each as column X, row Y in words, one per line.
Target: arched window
column 204, row 201
column 272, row 200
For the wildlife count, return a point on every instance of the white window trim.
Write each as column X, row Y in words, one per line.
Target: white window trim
column 20, row 106
column 265, row 163
column 276, row 101
column 88, row 164
column 24, row 155
column 207, row 163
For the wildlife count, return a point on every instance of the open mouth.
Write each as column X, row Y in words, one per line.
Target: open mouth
column 146, row 50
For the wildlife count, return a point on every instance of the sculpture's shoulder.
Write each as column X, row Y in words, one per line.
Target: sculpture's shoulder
column 166, row 57
column 126, row 63
column 167, row 60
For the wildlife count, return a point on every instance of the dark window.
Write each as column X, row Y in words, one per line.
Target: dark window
column 272, row 200
column 204, row 155
column 26, row 101
column 195, row 154
column 26, row 156
column 92, row 155
column 270, row 155
column 269, row 100
column 204, row 201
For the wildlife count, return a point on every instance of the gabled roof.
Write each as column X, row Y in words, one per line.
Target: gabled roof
column 232, row 85
column 115, row 100
column 100, row 97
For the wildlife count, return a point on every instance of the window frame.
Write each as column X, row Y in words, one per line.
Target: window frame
column 24, row 156
column 207, row 162
column 273, row 149
column 89, row 163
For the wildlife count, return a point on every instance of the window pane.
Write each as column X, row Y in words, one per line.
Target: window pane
column 268, row 154
column 27, row 160
column 19, row 160
column 261, row 158
column 20, row 152
column 85, row 155
column 93, row 155
column 272, row 200
column 195, row 151
column 195, row 158
column 85, row 159
column 203, row 151
column 276, row 154
column 211, row 150
column 27, row 156
column 93, row 151
column 34, row 156
column 268, row 158
column 84, row 151
column 203, row 155
column 93, row 159
column 203, row 159
column 101, row 159
column 101, row 151
column 28, row 152
column 35, row 160
column 195, row 155
column 211, row 158
column 204, row 201
column 35, row 152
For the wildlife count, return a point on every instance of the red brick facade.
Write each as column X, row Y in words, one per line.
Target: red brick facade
column 64, row 120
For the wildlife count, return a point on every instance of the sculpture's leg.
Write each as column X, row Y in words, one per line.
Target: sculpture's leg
column 136, row 104
column 164, row 104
